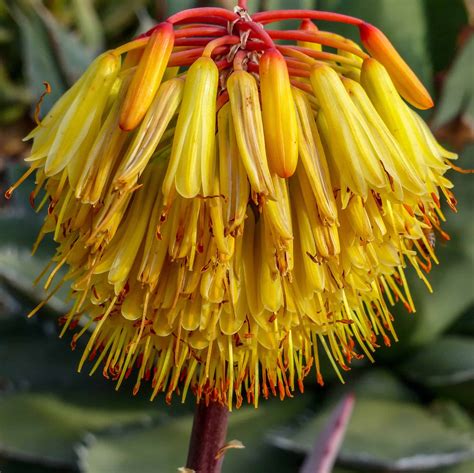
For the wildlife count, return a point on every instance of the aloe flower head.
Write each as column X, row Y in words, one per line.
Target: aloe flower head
column 230, row 202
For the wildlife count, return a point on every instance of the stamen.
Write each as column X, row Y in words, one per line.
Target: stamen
column 47, row 91
column 9, row 192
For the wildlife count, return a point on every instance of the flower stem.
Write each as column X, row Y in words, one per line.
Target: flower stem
column 260, row 33
column 222, row 41
column 193, row 13
column 316, row 38
column 207, row 438
column 278, row 15
column 200, row 31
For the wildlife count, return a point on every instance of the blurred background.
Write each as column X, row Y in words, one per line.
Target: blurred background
column 414, row 407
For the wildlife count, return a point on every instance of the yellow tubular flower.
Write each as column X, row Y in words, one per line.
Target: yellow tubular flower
column 392, row 155
column 346, row 136
column 396, row 114
column 147, row 78
column 150, row 132
column 234, row 185
column 224, row 227
column 92, row 176
column 278, row 113
column 192, row 157
column 248, row 124
column 78, row 126
column 313, row 158
column 135, row 224
column 45, row 133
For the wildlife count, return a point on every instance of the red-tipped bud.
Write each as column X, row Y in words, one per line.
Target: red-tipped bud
column 279, row 114
column 408, row 85
column 147, row 77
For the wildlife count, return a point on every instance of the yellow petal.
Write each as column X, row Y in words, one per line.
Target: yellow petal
column 394, row 112
column 313, row 158
column 233, row 182
column 150, row 133
column 81, row 122
column 397, row 164
column 192, row 161
column 248, row 124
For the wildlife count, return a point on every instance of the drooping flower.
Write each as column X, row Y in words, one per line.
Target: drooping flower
column 229, row 207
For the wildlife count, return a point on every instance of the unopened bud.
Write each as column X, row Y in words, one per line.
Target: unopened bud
column 279, row 114
column 408, row 85
column 147, row 77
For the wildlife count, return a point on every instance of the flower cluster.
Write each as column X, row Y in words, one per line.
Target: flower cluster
column 230, row 206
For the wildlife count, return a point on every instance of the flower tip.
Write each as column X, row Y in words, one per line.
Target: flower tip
column 308, row 25
column 126, row 125
column 406, row 81
column 272, row 54
column 368, row 32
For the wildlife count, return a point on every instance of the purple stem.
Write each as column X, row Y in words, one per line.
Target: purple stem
column 207, row 438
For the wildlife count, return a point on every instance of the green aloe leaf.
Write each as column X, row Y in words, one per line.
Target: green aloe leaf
column 155, row 449
column 444, row 29
column 162, row 449
column 117, row 16
column 11, row 466
column 466, row 467
column 446, row 362
column 388, row 435
column 71, row 55
column 89, row 24
column 19, row 225
column 18, row 270
column 44, row 428
column 178, row 5
column 458, row 93
column 50, row 52
column 445, row 367
column 39, row 62
column 374, row 383
column 465, row 324
column 54, row 364
column 453, row 415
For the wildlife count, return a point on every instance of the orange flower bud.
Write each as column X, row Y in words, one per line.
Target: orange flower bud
column 279, row 114
column 408, row 85
column 147, row 77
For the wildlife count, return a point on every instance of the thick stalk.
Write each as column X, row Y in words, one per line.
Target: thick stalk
column 192, row 13
column 207, row 438
column 278, row 15
column 318, row 38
